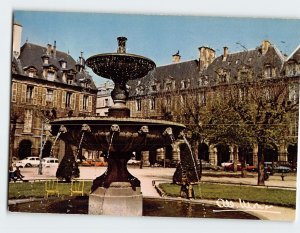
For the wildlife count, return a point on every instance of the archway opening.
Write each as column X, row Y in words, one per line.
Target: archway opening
column 246, row 153
column 292, row 155
column 47, row 149
column 203, row 152
column 24, row 149
column 271, row 154
column 223, row 153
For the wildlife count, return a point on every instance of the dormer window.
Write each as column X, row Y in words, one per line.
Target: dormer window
column 269, row 71
column 45, row 59
column 153, row 88
column 30, row 71
column 185, row 84
column 63, row 63
column 70, row 80
column 50, row 76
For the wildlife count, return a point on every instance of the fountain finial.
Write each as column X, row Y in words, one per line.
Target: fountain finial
column 121, row 44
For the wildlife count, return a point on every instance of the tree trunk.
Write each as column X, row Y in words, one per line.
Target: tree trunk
column 12, row 141
column 243, row 167
column 260, row 169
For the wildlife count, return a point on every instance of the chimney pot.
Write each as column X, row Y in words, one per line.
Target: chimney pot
column 17, row 35
column 265, row 46
column 225, row 53
column 176, row 57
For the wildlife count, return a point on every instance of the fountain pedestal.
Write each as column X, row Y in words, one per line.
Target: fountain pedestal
column 119, row 199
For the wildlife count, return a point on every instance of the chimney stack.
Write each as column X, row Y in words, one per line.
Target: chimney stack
column 265, row 46
column 49, row 48
column 206, row 57
column 225, row 53
column 17, row 36
column 176, row 57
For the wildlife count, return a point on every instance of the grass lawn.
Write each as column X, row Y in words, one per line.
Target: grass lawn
column 232, row 192
column 37, row 189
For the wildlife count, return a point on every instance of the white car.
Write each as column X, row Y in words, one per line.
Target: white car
column 50, row 162
column 28, row 162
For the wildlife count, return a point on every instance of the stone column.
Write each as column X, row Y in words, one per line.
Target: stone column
column 213, row 155
column 282, row 153
column 145, row 157
column 160, row 154
column 255, row 154
column 176, row 152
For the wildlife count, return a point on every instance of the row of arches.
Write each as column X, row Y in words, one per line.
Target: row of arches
column 25, row 149
column 245, row 153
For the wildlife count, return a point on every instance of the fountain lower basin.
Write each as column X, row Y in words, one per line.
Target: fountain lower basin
column 116, row 190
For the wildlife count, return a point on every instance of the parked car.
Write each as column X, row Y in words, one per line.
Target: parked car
column 50, row 162
column 28, row 162
column 133, row 162
column 282, row 169
column 227, row 163
column 208, row 166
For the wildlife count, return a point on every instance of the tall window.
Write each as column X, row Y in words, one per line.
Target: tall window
column 85, row 102
column 152, row 103
column 49, row 95
column 68, row 99
column 28, row 121
column 29, row 94
column 138, row 104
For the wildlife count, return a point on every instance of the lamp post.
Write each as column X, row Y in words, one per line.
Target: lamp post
column 47, row 128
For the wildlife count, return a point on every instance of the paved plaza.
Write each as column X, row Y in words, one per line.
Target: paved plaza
column 158, row 174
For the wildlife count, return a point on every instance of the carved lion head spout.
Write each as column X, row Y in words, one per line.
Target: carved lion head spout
column 63, row 129
column 143, row 130
column 115, row 128
column 168, row 131
column 85, row 128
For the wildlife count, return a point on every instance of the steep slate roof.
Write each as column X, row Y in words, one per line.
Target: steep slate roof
column 31, row 55
column 187, row 70
column 295, row 55
column 252, row 59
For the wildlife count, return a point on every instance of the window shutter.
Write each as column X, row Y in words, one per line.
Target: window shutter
column 14, row 92
column 73, row 101
column 80, row 102
column 90, row 104
column 54, row 98
column 63, row 99
column 35, row 95
column 44, row 96
column 23, row 93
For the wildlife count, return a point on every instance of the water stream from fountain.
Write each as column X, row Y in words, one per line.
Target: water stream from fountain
column 80, row 142
column 54, row 142
column 197, row 175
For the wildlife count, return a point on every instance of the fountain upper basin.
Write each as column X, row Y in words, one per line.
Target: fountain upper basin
column 122, row 66
column 118, row 134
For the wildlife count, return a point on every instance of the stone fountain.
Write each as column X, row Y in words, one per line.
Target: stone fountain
column 117, row 192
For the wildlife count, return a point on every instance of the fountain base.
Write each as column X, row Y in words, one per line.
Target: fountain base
column 119, row 199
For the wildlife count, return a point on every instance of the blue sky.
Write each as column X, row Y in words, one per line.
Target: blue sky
column 154, row 36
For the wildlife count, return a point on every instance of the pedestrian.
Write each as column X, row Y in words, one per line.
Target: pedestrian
column 184, row 188
column 11, row 175
column 18, row 175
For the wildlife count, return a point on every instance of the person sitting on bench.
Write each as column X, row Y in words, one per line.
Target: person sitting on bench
column 18, row 175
